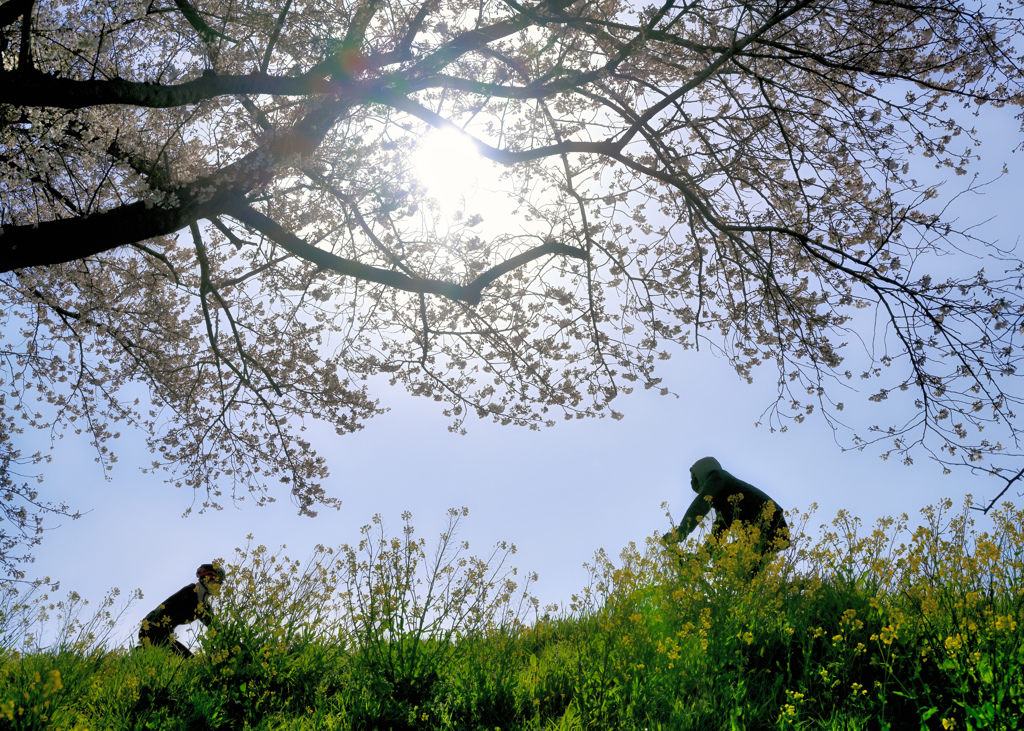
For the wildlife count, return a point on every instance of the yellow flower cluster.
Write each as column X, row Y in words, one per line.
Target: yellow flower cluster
column 1004, row 623
column 791, row 708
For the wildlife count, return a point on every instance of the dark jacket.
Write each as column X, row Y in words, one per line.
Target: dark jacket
column 732, row 499
column 183, row 607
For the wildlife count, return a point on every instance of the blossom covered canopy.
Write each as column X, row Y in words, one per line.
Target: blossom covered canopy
column 212, row 228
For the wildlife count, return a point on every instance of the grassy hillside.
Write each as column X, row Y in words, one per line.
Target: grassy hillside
column 881, row 628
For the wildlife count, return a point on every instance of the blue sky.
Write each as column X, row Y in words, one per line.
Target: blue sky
column 558, row 494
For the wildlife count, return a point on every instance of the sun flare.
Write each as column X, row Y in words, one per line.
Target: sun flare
column 448, row 165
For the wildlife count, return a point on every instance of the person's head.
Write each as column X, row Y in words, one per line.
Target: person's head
column 211, row 576
column 700, row 470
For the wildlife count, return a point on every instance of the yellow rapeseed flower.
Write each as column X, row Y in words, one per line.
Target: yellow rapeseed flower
column 53, row 683
column 1005, row 623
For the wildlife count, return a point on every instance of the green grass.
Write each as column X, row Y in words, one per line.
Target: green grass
column 888, row 628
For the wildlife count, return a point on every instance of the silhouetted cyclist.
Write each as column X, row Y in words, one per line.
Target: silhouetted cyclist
column 733, row 500
column 190, row 603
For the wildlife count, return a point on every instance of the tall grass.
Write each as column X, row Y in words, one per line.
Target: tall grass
column 889, row 627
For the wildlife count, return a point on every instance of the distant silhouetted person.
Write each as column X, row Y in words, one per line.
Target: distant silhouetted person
column 733, row 500
column 183, row 607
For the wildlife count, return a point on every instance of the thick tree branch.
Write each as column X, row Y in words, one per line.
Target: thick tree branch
column 11, row 10
column 405, row 45
column 68, row 239
column 33, row 89
column 208, row 34
column 275, row 35
column 469, row 293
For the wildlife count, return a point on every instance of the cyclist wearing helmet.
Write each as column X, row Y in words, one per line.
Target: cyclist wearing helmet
column 185, row 606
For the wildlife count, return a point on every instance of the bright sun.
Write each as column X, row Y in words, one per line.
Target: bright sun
column 448, row 165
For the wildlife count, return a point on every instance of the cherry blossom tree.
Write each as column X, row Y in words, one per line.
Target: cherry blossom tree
column 213, row 228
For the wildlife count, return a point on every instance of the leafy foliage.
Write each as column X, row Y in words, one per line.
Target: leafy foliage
column 891, row 628
column 213, row 229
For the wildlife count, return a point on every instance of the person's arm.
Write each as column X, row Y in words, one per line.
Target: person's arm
column 700, row 507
